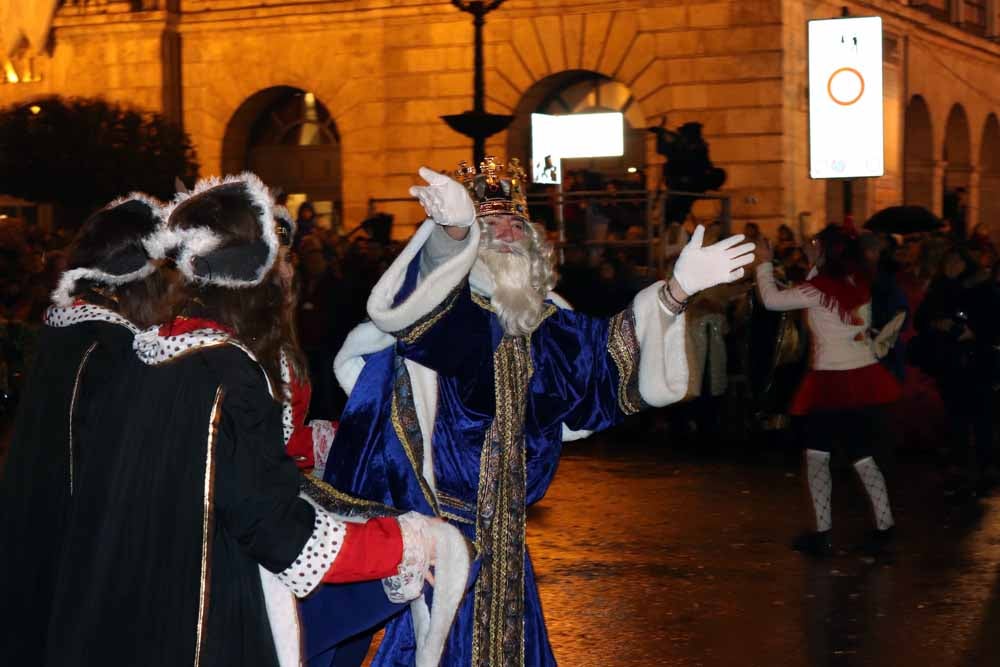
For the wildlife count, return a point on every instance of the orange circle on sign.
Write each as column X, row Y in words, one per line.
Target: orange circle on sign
column 829, row 86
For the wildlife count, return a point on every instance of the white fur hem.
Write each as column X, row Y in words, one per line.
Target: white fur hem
column 451, row 574
column 283, row 617
column 663, row 363
column 431, row 292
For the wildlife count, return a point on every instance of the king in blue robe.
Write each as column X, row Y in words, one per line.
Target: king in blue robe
column 452, row 414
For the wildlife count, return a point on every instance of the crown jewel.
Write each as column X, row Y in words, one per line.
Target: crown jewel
column 497, row 189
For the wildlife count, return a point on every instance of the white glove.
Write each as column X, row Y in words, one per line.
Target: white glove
column 699, row 268
column 418, row 556
column 445, row 199
column 886, row 339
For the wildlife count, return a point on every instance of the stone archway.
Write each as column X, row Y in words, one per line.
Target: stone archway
column 989, row 175
column 582, row 91
column 957, row 157
column 918, row 155
column 286, row 136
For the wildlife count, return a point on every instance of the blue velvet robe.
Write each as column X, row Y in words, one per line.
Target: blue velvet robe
column 583, row 374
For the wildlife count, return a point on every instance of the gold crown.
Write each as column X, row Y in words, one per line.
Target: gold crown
column 497, row 189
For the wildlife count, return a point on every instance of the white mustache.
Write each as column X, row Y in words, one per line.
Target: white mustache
column 515, row 247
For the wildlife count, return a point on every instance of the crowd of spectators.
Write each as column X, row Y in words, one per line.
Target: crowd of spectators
column 742, row 355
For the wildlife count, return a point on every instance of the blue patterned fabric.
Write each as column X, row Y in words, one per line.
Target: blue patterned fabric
column 574, row 381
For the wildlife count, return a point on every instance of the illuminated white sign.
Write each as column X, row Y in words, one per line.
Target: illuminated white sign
column 845, row 98
column 554, row 138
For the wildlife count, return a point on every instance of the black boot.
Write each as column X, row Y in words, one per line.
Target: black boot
column 815, row 544
column 878, row 542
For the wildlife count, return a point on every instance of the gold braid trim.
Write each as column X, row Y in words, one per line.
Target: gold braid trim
column 623, row 346
column 207, row 523
column 72, row 409
column 498, row 616
column 412, row 333
column 339, row 502
column 407, row 428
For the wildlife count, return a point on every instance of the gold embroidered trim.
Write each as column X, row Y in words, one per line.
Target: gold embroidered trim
column 412, row 333
column 498, row 614
column 457, row 519
column 407, row 428
column 486, row 304
column 623, row 346
column 452, row 501
column 340, row 502
column 72, row 409
column 208, row 518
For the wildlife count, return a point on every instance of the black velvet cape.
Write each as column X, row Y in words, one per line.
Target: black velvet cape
column 186, row 491
column 72, row 369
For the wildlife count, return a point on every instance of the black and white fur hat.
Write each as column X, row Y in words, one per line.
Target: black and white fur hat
column 201, row 236
column 118, row 235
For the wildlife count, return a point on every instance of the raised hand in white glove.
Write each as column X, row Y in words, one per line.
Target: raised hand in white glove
column 444, row 199
column 700, row 267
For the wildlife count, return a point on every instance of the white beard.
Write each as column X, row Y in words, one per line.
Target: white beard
column 518, row 305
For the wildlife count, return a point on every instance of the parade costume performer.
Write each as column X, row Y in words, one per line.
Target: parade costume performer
column 842, row 396
column 87, row 338
column 307, row 443
column 189, row 532
column 467, row 381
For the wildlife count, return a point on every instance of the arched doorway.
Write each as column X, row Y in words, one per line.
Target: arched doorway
column 918, row 155
column 286, row 136
column 989, row 177
column 958, row 168
column 583, row 91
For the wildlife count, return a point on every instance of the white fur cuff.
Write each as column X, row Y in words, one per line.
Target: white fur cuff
column 431, row 292
column 663, row 363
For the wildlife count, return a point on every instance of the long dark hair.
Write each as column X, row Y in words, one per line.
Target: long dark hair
column 842, row 255
column 260, row 316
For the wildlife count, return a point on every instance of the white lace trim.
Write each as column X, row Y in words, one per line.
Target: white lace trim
column 323, row 433
column 408, row 584
column 306, row 573
column 58, row 316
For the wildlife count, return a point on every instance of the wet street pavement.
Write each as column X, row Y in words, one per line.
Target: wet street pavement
column 651, row 557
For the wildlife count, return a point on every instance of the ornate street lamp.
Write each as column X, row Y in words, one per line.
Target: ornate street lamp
column 478, row 124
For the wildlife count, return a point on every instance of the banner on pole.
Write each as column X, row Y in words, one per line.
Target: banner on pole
column 846, row 138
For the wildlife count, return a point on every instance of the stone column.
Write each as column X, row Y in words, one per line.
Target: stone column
column 923, row 184
column 937, row 186
column 972, row 206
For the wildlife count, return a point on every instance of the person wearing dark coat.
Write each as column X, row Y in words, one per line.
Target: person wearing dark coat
column 86, row 340
column 192, row 530
column 958, row 326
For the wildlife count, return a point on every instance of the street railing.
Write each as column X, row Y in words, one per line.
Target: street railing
column 551, row 207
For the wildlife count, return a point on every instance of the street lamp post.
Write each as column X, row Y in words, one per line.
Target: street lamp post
column 477, row 124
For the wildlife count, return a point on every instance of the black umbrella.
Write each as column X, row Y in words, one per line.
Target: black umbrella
column 903, row 220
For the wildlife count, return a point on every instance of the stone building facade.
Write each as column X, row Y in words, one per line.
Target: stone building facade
column 380, row 73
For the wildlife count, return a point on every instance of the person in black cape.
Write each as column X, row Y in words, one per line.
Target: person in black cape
column 189, row 532
column 109, row 290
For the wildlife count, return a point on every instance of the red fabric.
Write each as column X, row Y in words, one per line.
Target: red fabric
column 183, row 325
column 300, row 444
column 845, row 390
column 371, row 550
column 843, row 296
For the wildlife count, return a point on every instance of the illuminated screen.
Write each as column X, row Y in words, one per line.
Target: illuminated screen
column 554, row 138
column 845, row 98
